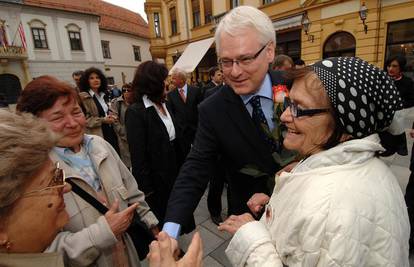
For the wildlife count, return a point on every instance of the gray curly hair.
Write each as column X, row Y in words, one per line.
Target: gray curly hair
column 25, row 143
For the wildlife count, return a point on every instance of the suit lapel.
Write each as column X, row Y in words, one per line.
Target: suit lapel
column 241, row 117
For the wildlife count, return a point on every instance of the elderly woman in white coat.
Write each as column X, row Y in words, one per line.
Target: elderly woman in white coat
column 93, row 165
column 340, row 205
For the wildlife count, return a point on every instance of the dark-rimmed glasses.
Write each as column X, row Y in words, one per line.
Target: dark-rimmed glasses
column 298, row 112
column 58, row 181
column 244, row 61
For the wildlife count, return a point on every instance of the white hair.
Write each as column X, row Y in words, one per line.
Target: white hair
column 246, row 17
column 180, row 73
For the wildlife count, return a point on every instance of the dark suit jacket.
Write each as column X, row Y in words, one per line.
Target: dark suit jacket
column 226, row 129
column 211, row 91
column 154, row 159
column 185, row 114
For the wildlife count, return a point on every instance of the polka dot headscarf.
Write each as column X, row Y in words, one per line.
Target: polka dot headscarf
column 364, row 97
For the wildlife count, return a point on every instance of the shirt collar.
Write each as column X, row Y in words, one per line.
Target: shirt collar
column 66, row 150
column 147, row 102
column 184, row 88
column 92, row 93
column 264, row 91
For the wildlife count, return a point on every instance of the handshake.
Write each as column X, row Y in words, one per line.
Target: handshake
column 165, row 252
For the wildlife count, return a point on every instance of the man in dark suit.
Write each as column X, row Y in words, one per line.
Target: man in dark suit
column 231, row 121
column 183, row 102
column 216, row 78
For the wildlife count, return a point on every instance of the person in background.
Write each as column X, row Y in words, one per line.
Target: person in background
column 32, row 210
column 341, row 205
column 216, row 81
column 153, row 137
column 395, row 68
column 118, row 107
column 93, row 165
column 283, row 63
column 183, row 102
column 299, row 64
column 76, row 76
column 99, row 120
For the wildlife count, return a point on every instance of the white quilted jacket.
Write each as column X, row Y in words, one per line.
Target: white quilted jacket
column 340, row 207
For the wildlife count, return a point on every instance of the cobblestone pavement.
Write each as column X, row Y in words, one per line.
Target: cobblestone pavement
column 215, row 242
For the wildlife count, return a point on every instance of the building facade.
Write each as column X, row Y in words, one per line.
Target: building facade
column 58, row 37
column 124, row 40
column 307, row 29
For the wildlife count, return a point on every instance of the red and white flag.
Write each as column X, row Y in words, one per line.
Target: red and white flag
column 22, row 36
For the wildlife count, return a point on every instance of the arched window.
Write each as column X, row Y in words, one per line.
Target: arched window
column 339, row 44
column 38, row 29
column 75, row 40
column 10, row 88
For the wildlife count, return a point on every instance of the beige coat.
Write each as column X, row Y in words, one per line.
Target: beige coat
column 31, row 259
column 93, row 121
column 118, row 108
column 117, row 183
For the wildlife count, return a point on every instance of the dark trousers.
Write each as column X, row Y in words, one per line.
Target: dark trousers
column 216, row 189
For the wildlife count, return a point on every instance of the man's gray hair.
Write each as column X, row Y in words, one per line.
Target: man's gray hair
column 25, row 143
column 246, row 17
column 180, row 73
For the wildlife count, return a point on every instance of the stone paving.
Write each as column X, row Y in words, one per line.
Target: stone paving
column 215, row 242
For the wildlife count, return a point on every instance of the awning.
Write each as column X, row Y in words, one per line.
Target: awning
column 192, row 55
column 288, row 23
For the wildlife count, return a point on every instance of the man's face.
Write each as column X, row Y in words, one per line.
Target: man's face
column 218, row 77
column 76, row 78
column 177, row 80
column 245, row 79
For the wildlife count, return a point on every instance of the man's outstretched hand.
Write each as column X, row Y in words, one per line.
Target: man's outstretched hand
column 162, row 252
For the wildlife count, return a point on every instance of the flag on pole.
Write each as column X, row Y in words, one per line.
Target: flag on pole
column 22, row 36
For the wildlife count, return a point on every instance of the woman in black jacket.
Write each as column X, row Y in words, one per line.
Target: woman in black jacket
column 152, row 137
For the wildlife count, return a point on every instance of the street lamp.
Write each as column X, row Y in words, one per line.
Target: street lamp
column 306, row 26
column 363, row 12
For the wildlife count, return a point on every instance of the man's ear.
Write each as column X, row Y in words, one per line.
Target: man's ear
column 270, row 52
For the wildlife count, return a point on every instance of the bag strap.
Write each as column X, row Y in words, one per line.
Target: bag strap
column 87, row 197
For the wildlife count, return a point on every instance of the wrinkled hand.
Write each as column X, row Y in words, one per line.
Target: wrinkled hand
column 161, row 255
column 257, row 202
column 412, row 133
column 233, row 223
column 120, row 221
column 108, row 120
column 288, row 167
column 155, row 231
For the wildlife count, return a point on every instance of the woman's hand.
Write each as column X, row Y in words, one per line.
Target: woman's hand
column 161, row 255
column 257, row 202
column 233, row 223
column 120, row 221
column 108, row 120
column 155, row 231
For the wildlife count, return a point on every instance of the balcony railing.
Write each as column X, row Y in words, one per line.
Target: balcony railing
column 15, row 52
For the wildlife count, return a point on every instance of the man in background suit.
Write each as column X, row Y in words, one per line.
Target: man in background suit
column 183, row 102
column 231, row 121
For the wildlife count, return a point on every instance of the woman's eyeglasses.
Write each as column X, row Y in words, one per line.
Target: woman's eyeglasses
column 58, row 181
column 298, row 112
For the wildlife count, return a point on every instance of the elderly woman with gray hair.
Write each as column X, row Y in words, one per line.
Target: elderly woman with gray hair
column 95, row 167
column 341, row 205
column 32, row 210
